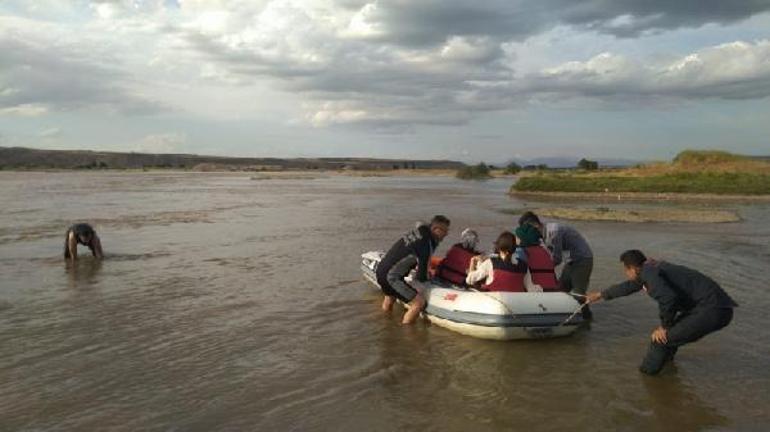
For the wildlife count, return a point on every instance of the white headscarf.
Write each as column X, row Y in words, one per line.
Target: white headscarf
column 469, row 238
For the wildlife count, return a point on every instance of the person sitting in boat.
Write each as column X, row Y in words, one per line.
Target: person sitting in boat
column 499, row 272
column 414, row 249
column 84, row 234
column 454, row 266
column 541, row 276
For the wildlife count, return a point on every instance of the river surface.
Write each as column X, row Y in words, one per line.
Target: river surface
column 226, row 303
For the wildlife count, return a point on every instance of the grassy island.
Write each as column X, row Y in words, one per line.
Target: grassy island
column 691, row 172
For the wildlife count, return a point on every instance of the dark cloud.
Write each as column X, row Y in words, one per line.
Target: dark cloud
column 45, row 73
column 432, row 22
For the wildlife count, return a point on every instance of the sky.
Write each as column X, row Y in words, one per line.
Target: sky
column 433, row 79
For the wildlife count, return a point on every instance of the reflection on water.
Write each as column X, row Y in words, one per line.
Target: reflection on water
column 83, row 272
column 676, row 406
column 228, row 304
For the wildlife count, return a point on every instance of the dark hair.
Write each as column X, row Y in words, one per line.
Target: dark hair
column 506, row 242
column 440, row 219
column 529, row 218
column 633, row 258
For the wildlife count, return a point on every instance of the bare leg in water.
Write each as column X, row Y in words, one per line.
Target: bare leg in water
column 415, row 307
column 387, row 303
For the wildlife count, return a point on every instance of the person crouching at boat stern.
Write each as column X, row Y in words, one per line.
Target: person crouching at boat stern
column 691, row 304
column 412, row 250
column 500, row 272
column 84, row 234
column 560, row 238
column 454, row 266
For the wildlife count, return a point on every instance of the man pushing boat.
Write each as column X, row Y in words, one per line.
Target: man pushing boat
column 412, row 250
column 691, row 304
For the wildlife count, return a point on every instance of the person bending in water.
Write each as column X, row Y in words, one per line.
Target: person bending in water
column 84, row 234
column 691, row 304
column 559, row 238
column 414, row 249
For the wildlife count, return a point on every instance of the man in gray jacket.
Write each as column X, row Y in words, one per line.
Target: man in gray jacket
column 691, row 304
column 561, row 238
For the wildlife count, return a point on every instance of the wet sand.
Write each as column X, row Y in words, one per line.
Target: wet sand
column 231, row 304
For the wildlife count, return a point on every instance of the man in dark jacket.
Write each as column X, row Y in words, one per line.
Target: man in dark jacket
column 414, row 249
column 691, row 304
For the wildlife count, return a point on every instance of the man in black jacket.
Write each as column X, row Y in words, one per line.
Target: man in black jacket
column 414, row 249
column 691, row 304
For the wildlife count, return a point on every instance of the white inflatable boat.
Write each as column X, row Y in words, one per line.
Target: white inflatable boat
column 491, row 315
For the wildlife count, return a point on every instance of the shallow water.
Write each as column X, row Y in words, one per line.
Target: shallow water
column 231, row 304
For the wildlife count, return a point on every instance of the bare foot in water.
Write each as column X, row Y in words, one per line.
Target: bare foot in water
column 387, row 303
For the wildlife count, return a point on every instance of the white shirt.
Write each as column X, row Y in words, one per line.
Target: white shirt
column 484, row 271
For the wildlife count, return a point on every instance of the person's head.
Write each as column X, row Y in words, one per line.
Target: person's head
column 505, row 244
column 85, row 237
column 530, row 218
column 527, row 235
column 632, row 263
column 469, row 239
column 439, row 227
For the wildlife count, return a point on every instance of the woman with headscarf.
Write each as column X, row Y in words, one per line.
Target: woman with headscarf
column 458, row 258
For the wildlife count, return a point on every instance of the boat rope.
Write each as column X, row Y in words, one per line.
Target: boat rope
column 579, row 308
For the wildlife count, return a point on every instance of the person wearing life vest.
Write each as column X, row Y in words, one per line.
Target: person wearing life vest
column 499, row 272
column 411, row 251
column 454, row 266
column 691, row 304
column 84, row 234
column 539, row 262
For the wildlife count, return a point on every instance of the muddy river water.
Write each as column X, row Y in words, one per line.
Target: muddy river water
column 226, row 303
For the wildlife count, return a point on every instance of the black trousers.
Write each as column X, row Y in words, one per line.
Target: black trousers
column 688, row 328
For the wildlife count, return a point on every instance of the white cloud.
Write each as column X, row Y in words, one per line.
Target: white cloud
column 24, row 110
column 50, row 133
column 161, row 143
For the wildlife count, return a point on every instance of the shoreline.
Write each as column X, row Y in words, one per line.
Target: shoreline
column 637, row 215
column 643, row 196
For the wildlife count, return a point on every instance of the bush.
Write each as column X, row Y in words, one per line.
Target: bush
column 512, row 168
column 588, row 165
column 475, row 172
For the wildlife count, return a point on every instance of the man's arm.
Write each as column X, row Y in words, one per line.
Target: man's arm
column 72, row 246
column 96, row 247
column 555, row 241
column 621, row 290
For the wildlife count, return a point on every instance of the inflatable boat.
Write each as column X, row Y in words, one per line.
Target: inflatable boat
column 491, row 315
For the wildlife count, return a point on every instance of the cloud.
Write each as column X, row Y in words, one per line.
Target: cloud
column 23, row 110
column 50, row 133
column 380, row 65
column 161, row 143
column 40, row 71
column 737, row 70
column 433, row 22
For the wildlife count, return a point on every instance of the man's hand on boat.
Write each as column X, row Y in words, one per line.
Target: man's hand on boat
column 593, row 297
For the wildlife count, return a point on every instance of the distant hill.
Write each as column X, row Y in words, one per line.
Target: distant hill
column 26, row 158
column 571, row 162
